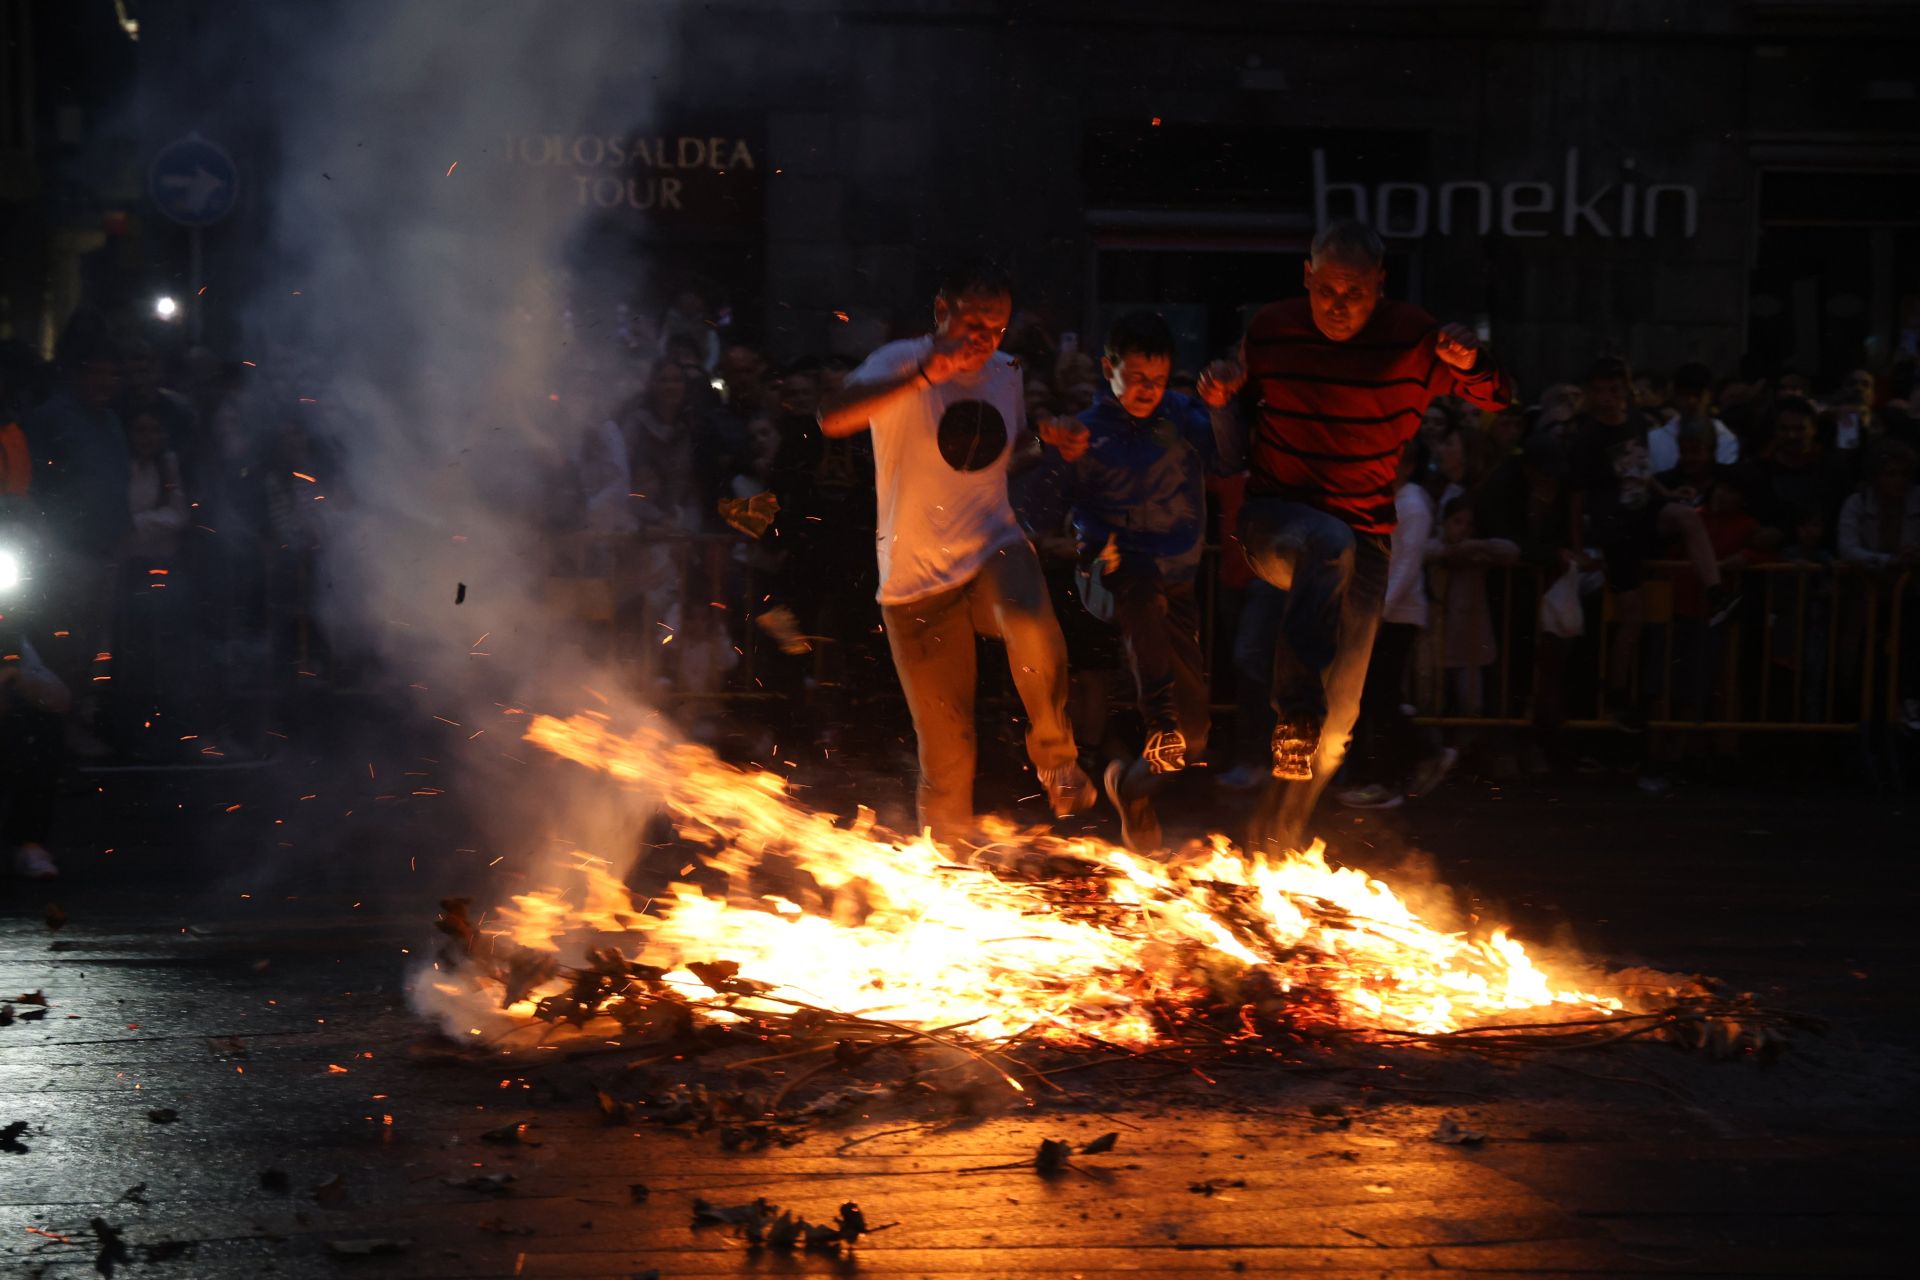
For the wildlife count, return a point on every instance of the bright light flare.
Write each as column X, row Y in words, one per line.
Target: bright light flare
column 166, row 307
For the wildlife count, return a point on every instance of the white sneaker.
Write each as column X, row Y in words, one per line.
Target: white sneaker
column 32, row 862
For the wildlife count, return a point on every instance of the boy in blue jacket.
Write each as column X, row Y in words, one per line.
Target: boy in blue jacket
column 1136, row 492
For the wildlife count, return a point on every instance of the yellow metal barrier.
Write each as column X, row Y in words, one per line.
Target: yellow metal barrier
column 1810, row 649
column 1813, row 648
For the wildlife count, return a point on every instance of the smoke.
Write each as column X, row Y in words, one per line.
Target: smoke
column 446, row 329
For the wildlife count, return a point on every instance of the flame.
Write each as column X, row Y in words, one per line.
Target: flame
column 893, row 930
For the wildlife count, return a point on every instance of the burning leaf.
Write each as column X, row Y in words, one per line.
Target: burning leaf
column 1450, row 1132
column 751, row 516
column 56, row 917
column 724, row 977
column 526, row 969
column 511, row 1133
column 1100, row 1145
column 10, row 1138
column 1052, row 1157
column 367, row 1248
column 332, row 1190
column 33, row 997
column 453, row 921
column 113, row 1250
column 163, row 1115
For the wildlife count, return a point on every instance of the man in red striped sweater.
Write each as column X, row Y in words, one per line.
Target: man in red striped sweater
column 1334, row 385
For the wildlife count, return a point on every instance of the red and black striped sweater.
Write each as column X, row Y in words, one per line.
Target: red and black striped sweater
column 1332, row 417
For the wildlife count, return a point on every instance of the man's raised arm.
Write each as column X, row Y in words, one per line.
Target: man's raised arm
column 852, row 409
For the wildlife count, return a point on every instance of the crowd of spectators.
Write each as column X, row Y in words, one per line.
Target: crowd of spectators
column 173, row 503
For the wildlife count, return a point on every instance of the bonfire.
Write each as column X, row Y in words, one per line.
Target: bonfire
column 1036, row 941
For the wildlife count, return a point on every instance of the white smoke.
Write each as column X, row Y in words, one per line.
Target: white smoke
column 455, row 338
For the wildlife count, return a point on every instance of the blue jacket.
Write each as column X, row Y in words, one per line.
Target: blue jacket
column 1143, row 480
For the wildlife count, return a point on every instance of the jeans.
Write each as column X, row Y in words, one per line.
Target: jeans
column 933, row 650
column 1160, row 626
column 1261, row 608
column 1335, row 581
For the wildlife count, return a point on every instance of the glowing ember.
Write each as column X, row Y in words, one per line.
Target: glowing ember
column 1091, row 942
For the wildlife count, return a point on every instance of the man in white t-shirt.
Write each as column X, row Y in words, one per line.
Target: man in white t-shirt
column 947, row 412
column 1690, row 399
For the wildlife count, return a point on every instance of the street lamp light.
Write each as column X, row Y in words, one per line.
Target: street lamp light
column 165, row 307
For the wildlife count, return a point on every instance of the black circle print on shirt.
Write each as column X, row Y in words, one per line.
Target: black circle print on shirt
column 972, row 435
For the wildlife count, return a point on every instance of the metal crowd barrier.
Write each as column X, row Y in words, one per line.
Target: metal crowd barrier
column 1813, row 648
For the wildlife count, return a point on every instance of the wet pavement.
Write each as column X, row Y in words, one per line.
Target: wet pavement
column 233, row 1086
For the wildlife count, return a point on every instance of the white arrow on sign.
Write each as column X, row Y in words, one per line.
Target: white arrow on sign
column 200, row 188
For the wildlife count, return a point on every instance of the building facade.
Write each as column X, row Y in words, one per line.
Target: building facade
column 1723, row 180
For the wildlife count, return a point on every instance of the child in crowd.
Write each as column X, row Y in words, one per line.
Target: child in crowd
column 1690, row 478
column 1392, row 741
column 1137, row 499
column 1467, row 642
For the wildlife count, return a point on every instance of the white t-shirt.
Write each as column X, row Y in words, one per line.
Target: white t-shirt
column 1663, row 445
column 1406, row 599
column 940, row 469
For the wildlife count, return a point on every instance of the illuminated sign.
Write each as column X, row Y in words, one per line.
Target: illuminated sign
column 1620, row 210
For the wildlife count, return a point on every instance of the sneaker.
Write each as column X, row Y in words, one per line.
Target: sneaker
column 1069, row 790
column 784, row 630
column 1371, row 796
column 1166, row 751
column 1722, row 600
column 32, row 862
column 1242, row 777
column 1433, row 771
column 1139, row 828
column 1294, row 746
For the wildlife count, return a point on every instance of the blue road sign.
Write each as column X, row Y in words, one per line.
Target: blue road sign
column 193, row 181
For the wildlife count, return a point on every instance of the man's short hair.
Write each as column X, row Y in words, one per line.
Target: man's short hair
column 1692, row 378
column 977, row 275
column 1607, row 369
column 1350, row 241
column 1140, row 333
